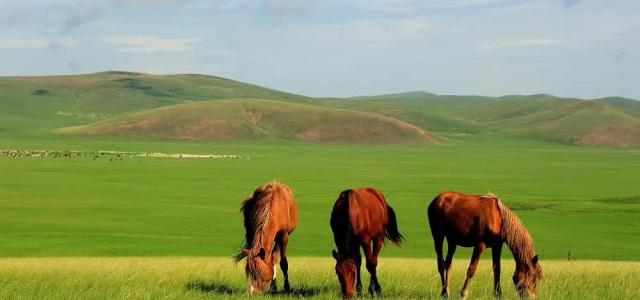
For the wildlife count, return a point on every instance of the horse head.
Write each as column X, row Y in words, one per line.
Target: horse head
column 346, row 271
column 259, row 269
column 526, row 277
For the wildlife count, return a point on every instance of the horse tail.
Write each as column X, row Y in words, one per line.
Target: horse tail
column 246, row 207
column 391, row 232
column 432, row 210
column 238, row 257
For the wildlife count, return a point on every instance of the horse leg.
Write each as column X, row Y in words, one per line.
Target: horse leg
column 284, row 264
column 451, row 249
column 438, row 242
column 473, row 265
column 495, row 255
column 371, row 264
column 377, row 245
column 358, row 259
column 275, row 256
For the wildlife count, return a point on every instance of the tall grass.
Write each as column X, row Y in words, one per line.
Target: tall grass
column 219, row 278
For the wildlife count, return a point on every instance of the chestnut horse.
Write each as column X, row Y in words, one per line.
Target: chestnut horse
column 361, row 218
column 482, row 222
column 270, row 216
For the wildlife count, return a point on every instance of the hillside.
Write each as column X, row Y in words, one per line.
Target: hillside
column 30, row 104
column 582, row 123
column 34, row 106
column 251, row 119
column 609, row 122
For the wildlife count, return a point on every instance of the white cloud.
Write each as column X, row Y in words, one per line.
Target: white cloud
column 148, row 44
column 23, row 44
column 288, row 6
column 384, row 30
column 412, row 6
column 520, row 43
column 34, row 44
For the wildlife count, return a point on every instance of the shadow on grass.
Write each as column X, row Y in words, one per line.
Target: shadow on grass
column 214, row 288
column 301, row 291
column 225, row 289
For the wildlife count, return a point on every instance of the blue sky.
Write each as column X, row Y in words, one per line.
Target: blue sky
column 573, row 48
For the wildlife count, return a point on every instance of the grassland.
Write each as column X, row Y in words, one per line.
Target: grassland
column 583, row 200
column 218, row 278
column 135, row 227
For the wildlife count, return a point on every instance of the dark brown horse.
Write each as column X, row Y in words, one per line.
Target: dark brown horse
column 270, row 216
column 361, row 218
column 482, row 222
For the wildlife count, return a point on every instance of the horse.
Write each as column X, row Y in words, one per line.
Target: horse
column 270, row 216
column 482, row 222
column 361, row 218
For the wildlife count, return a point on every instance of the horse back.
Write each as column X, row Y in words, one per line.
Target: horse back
column 466, row 219
column 284, row 212
column 368, row 212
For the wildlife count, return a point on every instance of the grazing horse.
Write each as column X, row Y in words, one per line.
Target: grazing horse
column 361, row 218
column 270, row 216
column 482, row 222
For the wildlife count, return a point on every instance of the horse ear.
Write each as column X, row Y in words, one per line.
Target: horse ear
column 534, row 261
column 262, row 254
column 334, row 253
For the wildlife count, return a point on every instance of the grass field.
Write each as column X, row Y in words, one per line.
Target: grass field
column 583, row 200
column 219, row 278
column 140, row 227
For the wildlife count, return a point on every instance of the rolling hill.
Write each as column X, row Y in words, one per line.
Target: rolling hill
column 35, row 106
column 609, row 122
column 250, row 119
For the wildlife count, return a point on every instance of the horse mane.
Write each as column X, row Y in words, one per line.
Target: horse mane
column 340, row 223
column 256, row 210
column 515, row 235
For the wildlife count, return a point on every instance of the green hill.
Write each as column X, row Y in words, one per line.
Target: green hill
column 581, row 122
column 34, row 106
column 611, row 122
column 251, row 119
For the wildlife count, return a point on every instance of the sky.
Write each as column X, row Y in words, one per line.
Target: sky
column 569, row 48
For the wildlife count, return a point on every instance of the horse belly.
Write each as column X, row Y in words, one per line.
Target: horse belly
column 471, row 232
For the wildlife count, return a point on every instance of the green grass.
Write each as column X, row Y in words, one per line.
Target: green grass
column 583, row 200
column 78, row 228
column 219, row 278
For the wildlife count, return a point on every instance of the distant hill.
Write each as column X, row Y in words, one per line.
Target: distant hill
column 250, row 119
column 610, row 122
column 53, row 101
column 34, row 106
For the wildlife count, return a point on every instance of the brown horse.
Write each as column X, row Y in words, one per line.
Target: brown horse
column 361, row 218
column 270, row 216
column 482, row 222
